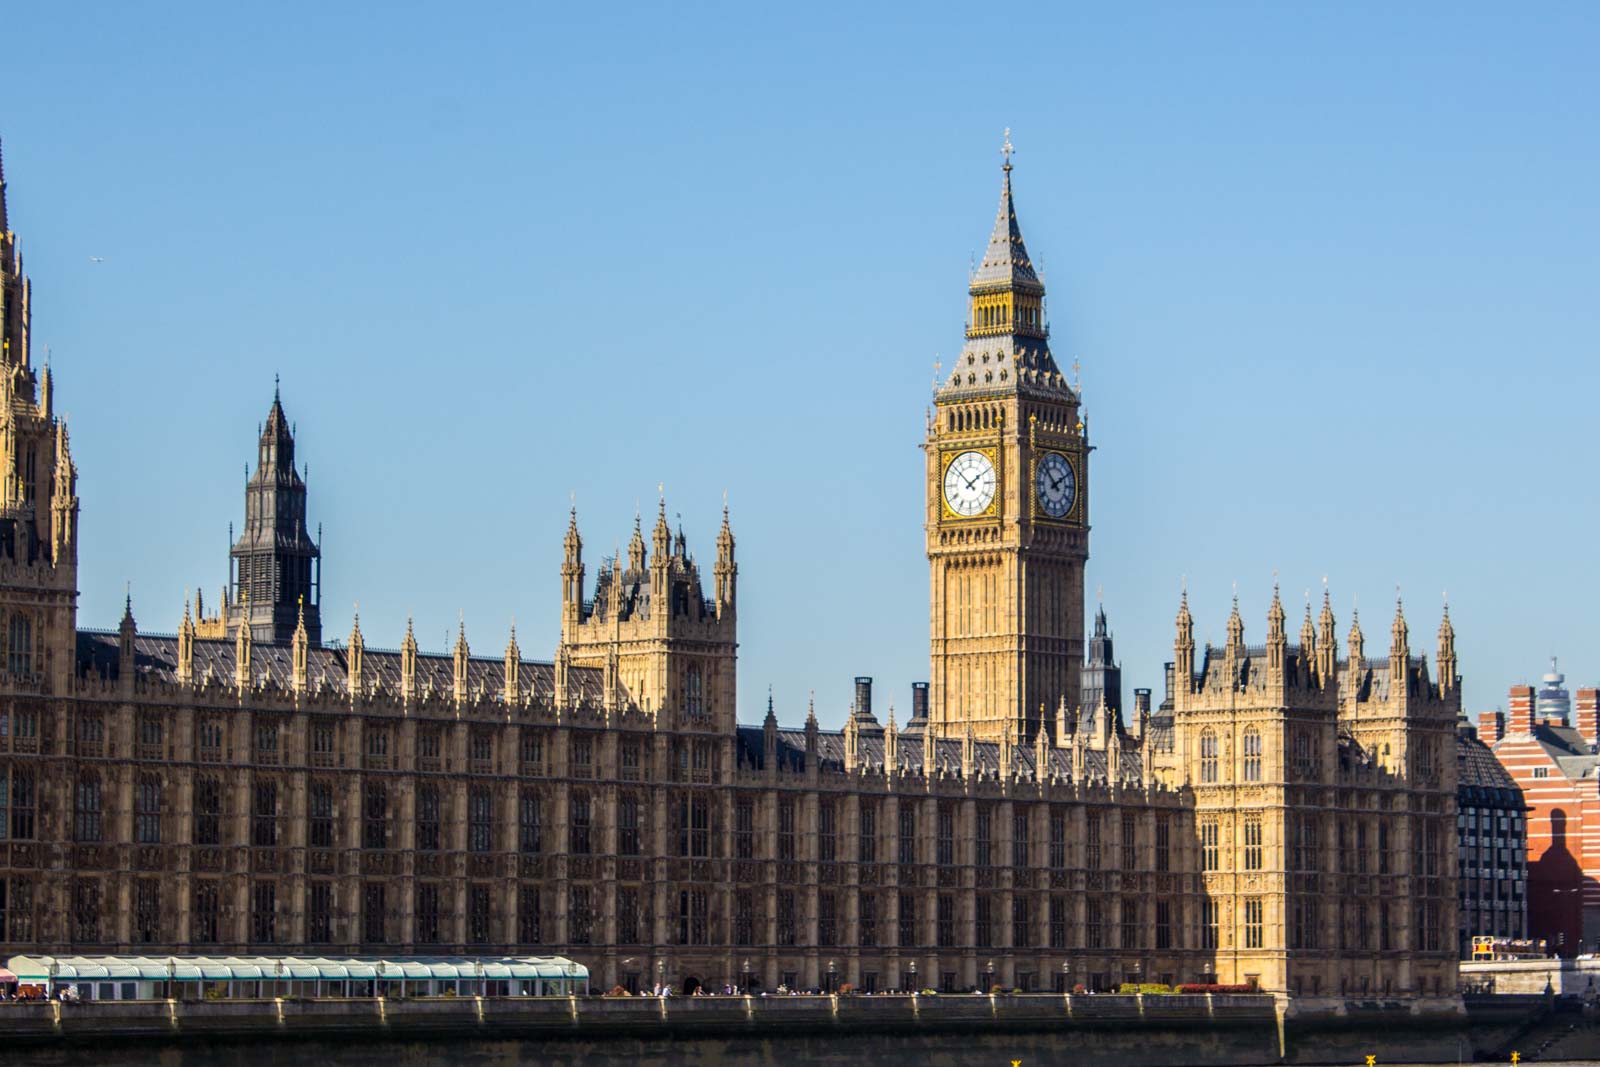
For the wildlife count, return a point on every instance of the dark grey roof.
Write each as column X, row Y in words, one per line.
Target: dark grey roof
column 1005, row 261
column 156, row 658
column 1480, row 778
column 870, row 749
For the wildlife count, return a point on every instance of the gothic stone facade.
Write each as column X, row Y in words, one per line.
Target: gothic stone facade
column 242, row 786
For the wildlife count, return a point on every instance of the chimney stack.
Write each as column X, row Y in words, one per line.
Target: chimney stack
column 919, row 701
column 1521, row 709
column 1491, row 726
column 1589, row 715
column 864, row 698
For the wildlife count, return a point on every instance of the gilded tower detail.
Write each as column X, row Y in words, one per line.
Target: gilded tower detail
column 1007, row 510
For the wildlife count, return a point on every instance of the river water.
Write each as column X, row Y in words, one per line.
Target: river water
column 1034, row 1050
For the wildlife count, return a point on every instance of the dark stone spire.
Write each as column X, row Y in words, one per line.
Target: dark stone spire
column 1102, row 676
column 4, row 223
column 277, row 566
column 1005, row 261
column 1007, row 348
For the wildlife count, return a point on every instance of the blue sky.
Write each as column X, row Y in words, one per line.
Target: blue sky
column 1330, row 272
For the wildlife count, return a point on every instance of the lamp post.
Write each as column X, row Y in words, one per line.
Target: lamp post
column 1066, row 976
column 661, row 973
column 477, row 965
column 832, row 972
column 172, row 978
column 55, row 969
column 913, row 977
column 989, row 970
column 747, row 974
column 277, row 985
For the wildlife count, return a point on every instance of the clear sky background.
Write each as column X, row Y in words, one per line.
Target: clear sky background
column 1330, row 271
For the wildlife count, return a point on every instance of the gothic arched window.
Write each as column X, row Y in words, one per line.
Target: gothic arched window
column 1252, row 755
column 147, row 810
column 86, row 815
column 21, row 647
column 1208, row 757
column 694, row 699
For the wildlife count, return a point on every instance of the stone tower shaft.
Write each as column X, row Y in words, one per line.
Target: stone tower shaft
column 1006, row 568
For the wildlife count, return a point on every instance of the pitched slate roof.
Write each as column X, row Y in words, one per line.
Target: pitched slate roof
column 870, row 751
column 156, row 658
column 1480, row 778
column 1006, row 260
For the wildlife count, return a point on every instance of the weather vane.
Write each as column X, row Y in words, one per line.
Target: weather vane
column 1006, row 149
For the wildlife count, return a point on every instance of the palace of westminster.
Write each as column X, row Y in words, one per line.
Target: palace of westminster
column 1284, row 817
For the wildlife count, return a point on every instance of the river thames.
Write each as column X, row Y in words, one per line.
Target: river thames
column 1033, row 1050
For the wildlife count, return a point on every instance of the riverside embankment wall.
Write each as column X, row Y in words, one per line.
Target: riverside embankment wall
column 1113, row 1031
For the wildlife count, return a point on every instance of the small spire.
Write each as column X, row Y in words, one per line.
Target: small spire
column 5, row 227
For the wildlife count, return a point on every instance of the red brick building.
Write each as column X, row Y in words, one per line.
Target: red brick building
column 1555, row 764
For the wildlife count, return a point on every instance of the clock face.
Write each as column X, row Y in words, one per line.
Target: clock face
column 1055, row 485
column 969, row 484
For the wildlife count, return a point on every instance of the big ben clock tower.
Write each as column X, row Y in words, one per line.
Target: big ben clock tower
column 1007, row 499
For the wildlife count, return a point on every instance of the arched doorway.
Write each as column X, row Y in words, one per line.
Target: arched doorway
column 691, row 986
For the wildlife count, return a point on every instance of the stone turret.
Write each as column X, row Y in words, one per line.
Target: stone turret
column 276, row 566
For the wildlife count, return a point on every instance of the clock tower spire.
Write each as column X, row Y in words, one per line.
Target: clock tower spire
column 1007, row 507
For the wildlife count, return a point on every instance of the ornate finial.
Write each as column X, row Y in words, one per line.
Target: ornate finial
column 1100, row 593
column 1075, row 368
column 1006, row 149
column 275, row 393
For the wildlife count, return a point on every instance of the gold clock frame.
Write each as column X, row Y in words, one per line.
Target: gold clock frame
column 1074, row 515
column 947, row 457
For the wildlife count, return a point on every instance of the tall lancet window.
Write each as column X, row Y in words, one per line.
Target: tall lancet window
column 1252, row 755
column 21, row 645
column 1208, row 758
column 694, row 699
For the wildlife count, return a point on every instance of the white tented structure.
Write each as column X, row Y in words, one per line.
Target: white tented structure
column 252, row 977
